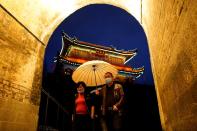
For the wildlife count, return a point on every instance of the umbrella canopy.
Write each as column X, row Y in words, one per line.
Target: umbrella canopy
column 92, row 72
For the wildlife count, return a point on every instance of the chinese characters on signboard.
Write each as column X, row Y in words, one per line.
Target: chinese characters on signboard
column 88, row 54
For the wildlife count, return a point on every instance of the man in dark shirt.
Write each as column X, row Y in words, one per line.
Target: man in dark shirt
column 112, row 97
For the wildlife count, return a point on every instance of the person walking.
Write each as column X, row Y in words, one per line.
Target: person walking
column 83, row 109
column 111, row 98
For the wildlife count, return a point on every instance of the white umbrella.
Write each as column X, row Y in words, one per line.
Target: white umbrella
column 92, row 72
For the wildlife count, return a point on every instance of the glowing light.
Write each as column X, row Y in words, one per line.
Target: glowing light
column 59, row 5
column 134, row 7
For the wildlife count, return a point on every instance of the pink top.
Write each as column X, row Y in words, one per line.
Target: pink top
column 81, row 107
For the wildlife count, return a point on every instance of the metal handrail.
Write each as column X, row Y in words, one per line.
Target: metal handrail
column 54, row 100
column 44, row 126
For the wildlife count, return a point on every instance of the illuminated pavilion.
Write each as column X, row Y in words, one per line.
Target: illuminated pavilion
column 75, row 52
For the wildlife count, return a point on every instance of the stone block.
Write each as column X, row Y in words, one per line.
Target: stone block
column 15, row 113
column 6, row 82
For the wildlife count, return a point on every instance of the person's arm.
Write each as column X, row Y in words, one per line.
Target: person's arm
column 92, row 112
column 121, row 93
column 72, row 117
column 91, row 101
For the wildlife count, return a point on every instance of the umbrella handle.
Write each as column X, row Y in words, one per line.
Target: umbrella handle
column 94, row 69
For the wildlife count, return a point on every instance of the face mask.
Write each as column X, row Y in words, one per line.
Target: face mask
column 80, row 91
column 108, row 80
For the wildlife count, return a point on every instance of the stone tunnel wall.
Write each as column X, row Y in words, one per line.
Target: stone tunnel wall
column 171, row 28
column 21, row 58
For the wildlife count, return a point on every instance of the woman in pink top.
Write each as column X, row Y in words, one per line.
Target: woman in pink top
column 83, row 109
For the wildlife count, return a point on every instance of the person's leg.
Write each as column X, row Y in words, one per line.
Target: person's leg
column 109, row 121
column 80, row 123
column 87, row 125
column 117, row 121
column 76, row 123
column 103, row 124
column 97, row 124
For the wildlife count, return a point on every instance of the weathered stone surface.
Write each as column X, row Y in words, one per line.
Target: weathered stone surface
column 21, row 61
column 171, row 28
column 17, row 116
column 42, row 16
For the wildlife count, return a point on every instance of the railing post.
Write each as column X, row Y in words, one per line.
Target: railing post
column 57, row 116
column 46, row 110
column 60, row 125
column 63, row 121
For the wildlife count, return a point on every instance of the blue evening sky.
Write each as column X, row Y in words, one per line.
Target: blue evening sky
column 105, row 25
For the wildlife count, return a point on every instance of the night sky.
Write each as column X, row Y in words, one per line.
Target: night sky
column 104, row 25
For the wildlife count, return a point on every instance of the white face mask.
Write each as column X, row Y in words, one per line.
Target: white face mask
column 80, row 91
column 108, row 80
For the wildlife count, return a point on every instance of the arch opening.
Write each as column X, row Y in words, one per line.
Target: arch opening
column 107, row 33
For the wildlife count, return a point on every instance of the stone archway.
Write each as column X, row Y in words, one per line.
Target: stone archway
column 25, row 30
